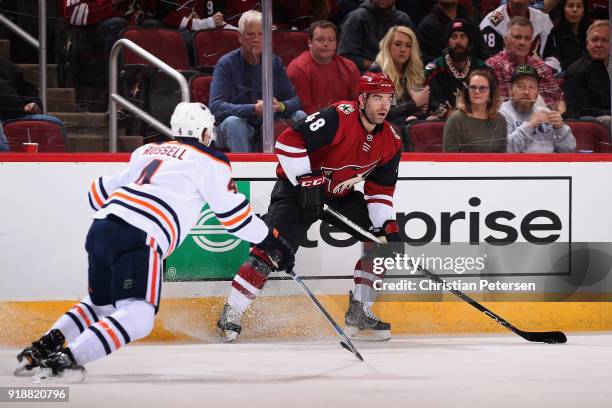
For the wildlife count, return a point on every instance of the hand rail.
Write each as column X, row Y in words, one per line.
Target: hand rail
column 115, row 98
column 41, row 46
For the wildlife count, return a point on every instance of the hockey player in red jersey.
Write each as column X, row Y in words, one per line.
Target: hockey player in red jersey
column 141, row 216
column 321, row 159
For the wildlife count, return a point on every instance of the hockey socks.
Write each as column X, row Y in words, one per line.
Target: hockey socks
column 132, row 321
column 246, row 286
column 365, row 278
column 82, row 315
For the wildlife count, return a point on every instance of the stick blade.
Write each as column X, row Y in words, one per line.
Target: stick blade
column 354, row 351
column 552, row 337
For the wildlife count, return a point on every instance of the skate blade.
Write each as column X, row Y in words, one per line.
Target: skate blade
column 22, row 370
column 357, row 334
column 70, row 376
column 226, row 336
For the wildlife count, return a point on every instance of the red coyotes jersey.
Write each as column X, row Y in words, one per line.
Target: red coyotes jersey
column 335, row 142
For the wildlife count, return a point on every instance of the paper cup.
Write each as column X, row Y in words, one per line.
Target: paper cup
column 30, row 147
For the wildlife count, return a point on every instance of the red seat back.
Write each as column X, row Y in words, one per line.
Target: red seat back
column 167, row 45
column 589, row 134
column 48, row 135
column 289, row 44
column 210, row 45
column 426, row 135
column 200, row 88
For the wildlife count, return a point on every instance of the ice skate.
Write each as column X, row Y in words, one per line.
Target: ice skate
column 32, row 356
column 362, row 324
column 228, row 326
column 60, row 364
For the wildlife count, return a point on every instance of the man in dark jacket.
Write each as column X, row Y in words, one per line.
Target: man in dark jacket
column 587, row 84
column 19, row 98
column 365, row 27
column 432, row 28
column 446, row 74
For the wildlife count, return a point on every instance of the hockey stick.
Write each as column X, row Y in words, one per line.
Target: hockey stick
column 346, row 343
column 542, row 337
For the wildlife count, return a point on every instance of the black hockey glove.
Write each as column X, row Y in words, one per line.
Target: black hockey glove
column 279, row 251
column 312, row 193
column 389, row 231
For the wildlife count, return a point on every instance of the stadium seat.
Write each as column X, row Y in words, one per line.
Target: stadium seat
column 590, row 135
column 166, row 44
column 200, row 88
column 210, row 45
column 424, row 136
column 289, row 44
column 49, row 135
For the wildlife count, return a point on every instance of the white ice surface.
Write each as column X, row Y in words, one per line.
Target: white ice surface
column 485, row 371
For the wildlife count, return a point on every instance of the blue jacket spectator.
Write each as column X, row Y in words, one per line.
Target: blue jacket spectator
column 236, row 89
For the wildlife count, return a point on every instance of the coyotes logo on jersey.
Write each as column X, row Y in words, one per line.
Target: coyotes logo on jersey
column 343, row 179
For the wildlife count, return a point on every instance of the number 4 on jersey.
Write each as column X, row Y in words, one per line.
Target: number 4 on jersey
column 149, row 171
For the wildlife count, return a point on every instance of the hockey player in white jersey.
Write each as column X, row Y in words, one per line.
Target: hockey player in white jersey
column 142, row 215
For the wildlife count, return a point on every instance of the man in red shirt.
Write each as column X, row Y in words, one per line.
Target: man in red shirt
column 321, row 76
column 321, row 159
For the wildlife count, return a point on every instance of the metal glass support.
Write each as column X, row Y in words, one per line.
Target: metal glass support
column 115, row 98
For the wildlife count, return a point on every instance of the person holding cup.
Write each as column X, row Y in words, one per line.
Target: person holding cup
column 533, row 128
column 400, row 58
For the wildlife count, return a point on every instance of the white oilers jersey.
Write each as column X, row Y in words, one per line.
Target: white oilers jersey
column 166, row 185
column 495, row 26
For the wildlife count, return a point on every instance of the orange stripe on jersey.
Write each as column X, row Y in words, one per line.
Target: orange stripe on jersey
column 155, row 210
column 83, row 315
column 95, row 194
column 154, row 277
column 111, row 333
column 238, row 218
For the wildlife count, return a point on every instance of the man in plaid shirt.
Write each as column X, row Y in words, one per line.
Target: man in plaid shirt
column 518, row 46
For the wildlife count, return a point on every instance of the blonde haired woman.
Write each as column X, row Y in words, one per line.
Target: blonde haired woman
column 400, row 58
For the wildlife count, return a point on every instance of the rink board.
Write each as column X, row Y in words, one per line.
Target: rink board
column 44, row 216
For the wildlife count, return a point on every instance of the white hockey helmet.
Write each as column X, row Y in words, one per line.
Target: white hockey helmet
column 190, row 119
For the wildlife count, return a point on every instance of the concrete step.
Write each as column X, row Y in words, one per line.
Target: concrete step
column 83, row 119
column 30, row 73
column 61, row 99
column 5, row 49
column 78, row 142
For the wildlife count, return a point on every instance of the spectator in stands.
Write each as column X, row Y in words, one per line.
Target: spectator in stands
column 567, row 41
column 365, row 27
column 587, row 84
column 531, row 128
column 518, row 46
column 400, row 58
column 320, row 76
column 446, row 75
column 4, row 146
column 18, row 97
column 236, row 89
column 432, row 28
column 476, row 125
column 93, row 27
column 194, row 15
column 495, row 26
